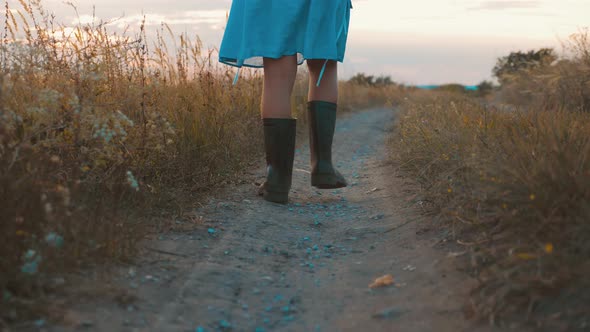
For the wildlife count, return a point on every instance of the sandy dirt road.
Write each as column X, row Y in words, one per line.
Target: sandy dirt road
column 250, row 265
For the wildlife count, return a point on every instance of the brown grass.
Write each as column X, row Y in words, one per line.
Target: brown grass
column 97, row 127
column 565, row 85
column 513, row 187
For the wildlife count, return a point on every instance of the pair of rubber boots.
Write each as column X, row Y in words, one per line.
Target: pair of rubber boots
column 279, row 143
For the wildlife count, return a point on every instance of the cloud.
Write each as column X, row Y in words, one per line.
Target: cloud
column 212, row 17
column 507, row 4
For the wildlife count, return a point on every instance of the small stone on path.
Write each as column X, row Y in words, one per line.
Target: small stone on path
column 384, row 281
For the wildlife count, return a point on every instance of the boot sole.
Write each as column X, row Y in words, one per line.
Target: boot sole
column 327, row 181
column 276, row 197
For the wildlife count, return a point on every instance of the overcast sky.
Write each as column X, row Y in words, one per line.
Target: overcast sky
column 416, row 42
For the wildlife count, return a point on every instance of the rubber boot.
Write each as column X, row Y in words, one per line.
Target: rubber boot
column 279, row 144
column 322, row 124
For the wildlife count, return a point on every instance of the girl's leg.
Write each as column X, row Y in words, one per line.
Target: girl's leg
column 279, row 127
column 322, row 124
column 279, row 79
column 328, row 89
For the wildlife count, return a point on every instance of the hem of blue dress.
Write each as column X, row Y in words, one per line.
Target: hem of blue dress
column 234, row 62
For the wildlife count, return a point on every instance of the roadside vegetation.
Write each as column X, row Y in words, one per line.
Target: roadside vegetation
column 509, row 176
column 98, row 128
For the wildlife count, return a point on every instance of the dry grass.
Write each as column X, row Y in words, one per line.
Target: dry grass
column 564, row 85
column 513, row 188
column 354, row 96
column 99, row 127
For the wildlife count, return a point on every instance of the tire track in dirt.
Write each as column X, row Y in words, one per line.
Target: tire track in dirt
column 305, row 266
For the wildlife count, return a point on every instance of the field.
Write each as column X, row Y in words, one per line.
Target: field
column 104, row 135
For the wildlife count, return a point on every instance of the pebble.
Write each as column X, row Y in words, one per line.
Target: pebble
column 224, row 324
column 59, row 281
column 6, row 296
column 87, row 323
column 30, row 268
column 150, row 278
column 55, row 240
column 389, row 313
column 409, row 268
column 32, row 262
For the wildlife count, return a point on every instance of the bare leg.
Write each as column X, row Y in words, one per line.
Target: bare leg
column 322, row 107
column 279, row 127
column 279, row 78
column 328, row 89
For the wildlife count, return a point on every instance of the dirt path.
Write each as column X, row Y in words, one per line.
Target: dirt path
column 306, row 266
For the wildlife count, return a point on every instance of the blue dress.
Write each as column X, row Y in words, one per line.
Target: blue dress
column 310, row 29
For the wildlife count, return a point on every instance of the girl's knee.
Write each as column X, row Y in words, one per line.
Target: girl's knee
column 315, row 65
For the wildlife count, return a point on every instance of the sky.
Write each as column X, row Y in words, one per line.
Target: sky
column 414, row 42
